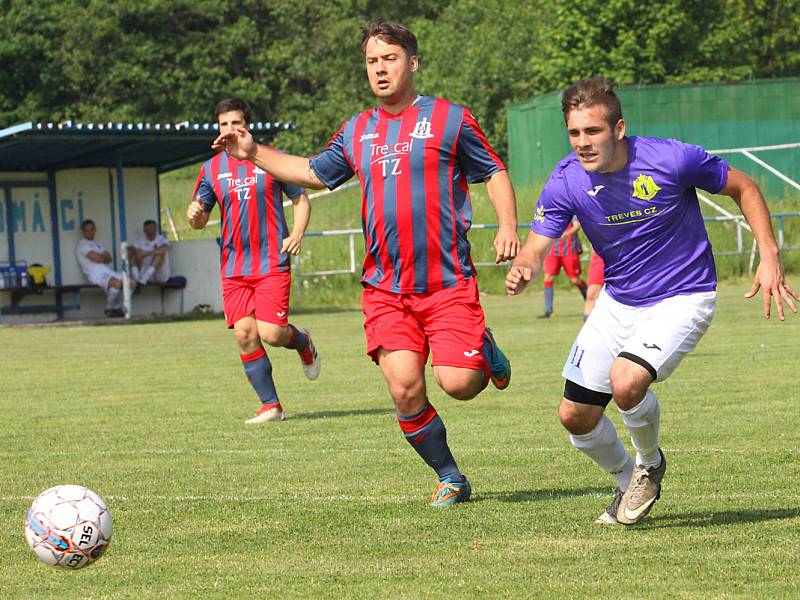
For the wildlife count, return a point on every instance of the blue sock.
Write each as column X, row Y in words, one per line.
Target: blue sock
column 298, row 341
column 258, row 369
column 548, row 298
column 426, row 433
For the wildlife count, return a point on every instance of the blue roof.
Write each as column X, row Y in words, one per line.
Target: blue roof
column 166, row 146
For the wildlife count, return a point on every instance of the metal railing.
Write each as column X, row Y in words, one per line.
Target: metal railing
column 778, row 218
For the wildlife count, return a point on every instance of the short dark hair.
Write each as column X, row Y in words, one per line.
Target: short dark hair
column 87, row 222
column 149, row 222
column 229, row 104
column 391, row 33
column 589, row 92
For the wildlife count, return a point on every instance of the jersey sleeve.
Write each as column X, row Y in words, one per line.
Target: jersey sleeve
column 477, row 158
column 204, row 190
column 553, row 212
column 331, row 165
column 161, row 240
column 291, row 190
column 697, row 168
column 82, row 249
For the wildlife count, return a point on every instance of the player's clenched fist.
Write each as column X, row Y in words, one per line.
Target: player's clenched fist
column 195, row 208
column 290, row 245
column 517, row 278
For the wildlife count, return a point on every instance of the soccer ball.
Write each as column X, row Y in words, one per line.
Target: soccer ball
column 68, row 526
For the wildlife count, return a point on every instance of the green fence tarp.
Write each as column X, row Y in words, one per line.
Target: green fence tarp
column 713, row 115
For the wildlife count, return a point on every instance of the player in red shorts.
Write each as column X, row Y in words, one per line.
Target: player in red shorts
column 565, row 253
column 254, row 255
column 414, row 157
column 595, row 280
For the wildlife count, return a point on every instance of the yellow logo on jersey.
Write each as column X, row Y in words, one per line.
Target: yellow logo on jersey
column 539, row 215
column 644, row 187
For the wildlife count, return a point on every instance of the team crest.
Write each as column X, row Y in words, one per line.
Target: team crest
column 644, row 187
column 422, row 130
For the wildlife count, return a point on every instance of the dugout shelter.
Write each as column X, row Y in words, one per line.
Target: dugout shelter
column 53, row 176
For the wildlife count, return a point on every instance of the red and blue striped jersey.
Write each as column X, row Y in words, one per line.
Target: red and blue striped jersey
column 566, row 246
column 414, row 168
column 251, row 214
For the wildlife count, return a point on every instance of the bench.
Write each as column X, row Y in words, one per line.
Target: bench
column 68, row 297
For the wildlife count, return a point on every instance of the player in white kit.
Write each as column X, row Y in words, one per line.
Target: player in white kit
column 93, row 259
column 149, row 257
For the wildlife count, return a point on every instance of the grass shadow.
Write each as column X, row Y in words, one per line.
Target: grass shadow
column 714, row 519
column 333, row 414
column 543, row 495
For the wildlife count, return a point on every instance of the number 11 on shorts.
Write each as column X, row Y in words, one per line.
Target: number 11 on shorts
column 576, row 356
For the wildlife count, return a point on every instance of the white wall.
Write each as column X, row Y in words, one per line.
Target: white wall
column 198, row 261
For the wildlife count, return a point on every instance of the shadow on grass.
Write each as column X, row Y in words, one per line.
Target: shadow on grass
column 542, row 495
column 156, row 319
column 713, row 519
column 333, row 414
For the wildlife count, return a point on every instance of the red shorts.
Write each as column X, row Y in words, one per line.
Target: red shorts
column 570, row 262
column 595, row 276
column 265, row 295
column 448, row 323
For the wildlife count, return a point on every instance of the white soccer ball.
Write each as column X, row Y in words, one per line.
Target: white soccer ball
column 68, row 526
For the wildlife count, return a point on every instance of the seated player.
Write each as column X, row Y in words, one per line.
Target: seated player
column 149, row 257
column 93, row 259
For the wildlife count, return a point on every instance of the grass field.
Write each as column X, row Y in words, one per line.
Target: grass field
column 332, row 502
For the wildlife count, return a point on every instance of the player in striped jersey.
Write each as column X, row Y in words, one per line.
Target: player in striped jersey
column 414, row 157
column 564, row 252
column 254, row 255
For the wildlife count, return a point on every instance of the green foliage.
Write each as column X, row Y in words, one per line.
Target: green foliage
column 300, row 60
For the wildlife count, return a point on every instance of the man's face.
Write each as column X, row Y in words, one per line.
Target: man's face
column 229, row 120
column 150, row 231
column 89, row 230
column 389, row 69
column 598, row 145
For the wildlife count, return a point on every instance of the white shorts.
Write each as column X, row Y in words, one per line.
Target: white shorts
column 657, row 337
column 100, row 276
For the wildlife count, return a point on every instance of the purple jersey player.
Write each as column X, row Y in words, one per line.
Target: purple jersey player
column 636, row 201
column 414, row 157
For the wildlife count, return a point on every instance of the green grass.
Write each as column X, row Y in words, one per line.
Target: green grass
column 332, row 502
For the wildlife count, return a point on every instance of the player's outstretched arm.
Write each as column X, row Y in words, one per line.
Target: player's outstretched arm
column 527, row 264
column 301, row 206
column 501, row 195
column 769, row 274
column 287, row 168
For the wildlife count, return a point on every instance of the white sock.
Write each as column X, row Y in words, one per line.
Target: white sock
column 603, row 446
column 114, row 298
column 148, row 273
column 135, row 272
column 642, row 422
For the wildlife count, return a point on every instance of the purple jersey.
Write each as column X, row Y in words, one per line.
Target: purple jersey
column 643, row 220
column 414, row 168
